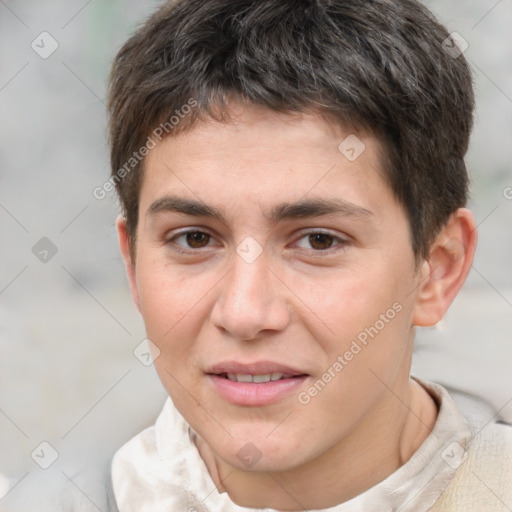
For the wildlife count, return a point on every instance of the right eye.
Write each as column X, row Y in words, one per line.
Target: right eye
column 192, row 239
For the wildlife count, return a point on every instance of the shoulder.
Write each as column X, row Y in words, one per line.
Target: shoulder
column 482, row 481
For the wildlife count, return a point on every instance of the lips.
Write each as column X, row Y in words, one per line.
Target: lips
column 255, row 384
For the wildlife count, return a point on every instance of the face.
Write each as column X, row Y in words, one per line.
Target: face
column 275, row 274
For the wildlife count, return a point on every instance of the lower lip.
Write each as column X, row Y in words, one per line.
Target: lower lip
column 254, row 394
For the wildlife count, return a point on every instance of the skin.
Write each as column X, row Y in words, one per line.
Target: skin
column 300, row 303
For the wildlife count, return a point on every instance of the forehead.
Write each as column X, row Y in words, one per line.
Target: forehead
column 253, row 130
column 265, row 158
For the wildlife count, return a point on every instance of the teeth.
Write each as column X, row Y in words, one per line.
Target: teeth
column 237, row 377
column 261, row 378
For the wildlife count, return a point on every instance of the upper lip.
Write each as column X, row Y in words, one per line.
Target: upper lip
column 253, row 368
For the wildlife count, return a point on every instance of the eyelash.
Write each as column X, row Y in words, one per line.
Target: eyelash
column 340, row 245
column 182, row 250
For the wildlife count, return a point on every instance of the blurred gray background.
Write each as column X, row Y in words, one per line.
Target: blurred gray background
column 68, row 375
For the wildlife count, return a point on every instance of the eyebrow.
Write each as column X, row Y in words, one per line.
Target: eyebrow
column 305, row 208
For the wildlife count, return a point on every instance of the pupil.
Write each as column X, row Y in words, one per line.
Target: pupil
column 197, row 239
column 320, row 241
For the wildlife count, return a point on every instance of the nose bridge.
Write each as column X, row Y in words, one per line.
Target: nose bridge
column 249, row 301
column 249, row 285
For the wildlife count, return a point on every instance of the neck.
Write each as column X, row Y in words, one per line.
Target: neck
column 380, row 444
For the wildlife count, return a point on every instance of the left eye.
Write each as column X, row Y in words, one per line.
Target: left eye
column 193, row 239
column 319, row 241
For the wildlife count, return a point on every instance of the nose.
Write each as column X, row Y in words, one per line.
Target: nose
column 252, row 301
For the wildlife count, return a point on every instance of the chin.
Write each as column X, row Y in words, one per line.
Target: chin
column 262, row 454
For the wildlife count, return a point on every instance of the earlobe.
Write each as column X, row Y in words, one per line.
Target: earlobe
column 124, row 246
column 443, row 274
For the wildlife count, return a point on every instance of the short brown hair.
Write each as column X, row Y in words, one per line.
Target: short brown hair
column 380, row 65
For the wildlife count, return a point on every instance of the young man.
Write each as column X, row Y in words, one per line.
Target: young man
column 293, row 188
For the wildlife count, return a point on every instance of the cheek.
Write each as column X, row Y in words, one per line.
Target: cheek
column 340, row 304
column 169, row 297
column 175, row 306
column 368, row 314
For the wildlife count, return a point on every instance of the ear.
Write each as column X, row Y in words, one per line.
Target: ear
column 443, row 274
column 124, row 246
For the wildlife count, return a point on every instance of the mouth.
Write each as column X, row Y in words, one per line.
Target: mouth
column 255, row 384
column 257, row 379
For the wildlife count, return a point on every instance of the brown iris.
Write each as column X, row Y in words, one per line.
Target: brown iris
column 197, row 239
column 321, row 241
